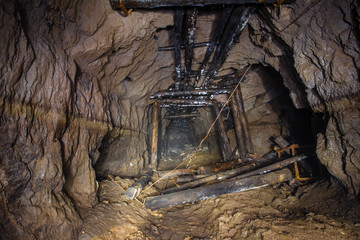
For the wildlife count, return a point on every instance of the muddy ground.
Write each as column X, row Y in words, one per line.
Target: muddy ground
column 317, row 210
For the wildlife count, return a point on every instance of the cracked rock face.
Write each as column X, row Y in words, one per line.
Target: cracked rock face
column 75, row 82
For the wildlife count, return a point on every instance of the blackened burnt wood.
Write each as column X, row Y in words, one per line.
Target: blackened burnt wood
column 182, row 116
column 155, row 136
column 178, row 23
column 196, row 45
column 184, row 103
column 225, row 14
column 240, row 172
column 135, row 189
column 224, row 140
column 184, row 3
column 190, row 25
column 194, row 92
column 236, row 24
column 243, row 120
column 217, row 167
column 175, row 173
column 206, row 192
column 238, row 128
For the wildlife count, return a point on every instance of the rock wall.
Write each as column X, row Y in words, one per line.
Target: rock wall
column 75, row 80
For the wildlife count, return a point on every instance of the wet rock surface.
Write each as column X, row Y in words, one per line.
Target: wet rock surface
column 75, row 82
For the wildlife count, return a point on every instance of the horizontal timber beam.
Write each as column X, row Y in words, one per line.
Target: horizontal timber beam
column 195, row 92
column 116, row 4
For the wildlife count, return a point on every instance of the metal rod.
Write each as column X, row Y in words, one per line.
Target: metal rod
column 183, row 116
column 243, row 120
column 178, row 23
column 238, row 128
column 215, row 39
column 236, row 24
column 196, row 45
column 183, row 3
column 155, row 136
column 206, row 192
column 224, row 140
column 190, row 25
column 194, row 92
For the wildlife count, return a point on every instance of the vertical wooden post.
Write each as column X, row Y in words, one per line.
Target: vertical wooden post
column 243, row 120
column 238, row 128
column 155, row 136
column 224, row 141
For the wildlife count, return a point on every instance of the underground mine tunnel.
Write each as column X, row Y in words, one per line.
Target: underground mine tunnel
column 211, row 119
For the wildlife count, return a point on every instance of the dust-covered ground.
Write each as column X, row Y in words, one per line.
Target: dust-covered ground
column 318, row 210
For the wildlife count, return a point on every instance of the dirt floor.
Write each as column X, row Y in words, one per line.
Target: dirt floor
column 318, row 210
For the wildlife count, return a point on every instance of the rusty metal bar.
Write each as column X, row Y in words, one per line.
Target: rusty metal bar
column 224, row 140
column 116, row 4
column 155, row 136
column 178, row 25
column 236, row 24
column 215, row 39
column 243, row 120
column 206, row 192
column 190, row 25
column 194, row 92
column 238, row 128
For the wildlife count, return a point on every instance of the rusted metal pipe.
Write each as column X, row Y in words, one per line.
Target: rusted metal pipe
column 224, row 140
column 236, row 24
column 155, row 136
column 116, row 4
column 190, row 25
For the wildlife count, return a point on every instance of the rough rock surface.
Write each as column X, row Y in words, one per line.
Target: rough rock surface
column 76, row 76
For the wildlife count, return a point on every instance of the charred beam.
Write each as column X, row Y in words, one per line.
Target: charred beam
column 237, row 22
column 243, row 120
column 116, row 5
column 201, row 193
column 190, row 25
column 241, row 172
column 178, row 25
column 195, row 92
column 183, row 116
column 185, row 102
column 175, row 173
column 224, row 140
column 238, row 128
column 155, row 136
column 135, row 189
column 195, row 45
column 215, row 39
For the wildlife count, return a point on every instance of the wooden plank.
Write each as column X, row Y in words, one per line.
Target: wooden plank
column 211, row 191
column 155, row 136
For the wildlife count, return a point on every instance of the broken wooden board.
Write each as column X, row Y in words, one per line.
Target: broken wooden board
column 211, row 191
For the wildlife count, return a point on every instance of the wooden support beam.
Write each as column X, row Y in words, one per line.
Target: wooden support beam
column 135, row 189
column 178, row 25
column 206, row 192
column 175, row 173
column 225, row 14
column 190, row 25
column 196, row 45
column 240, row 172
column 116, row 4
column 243, row 120
column 190, row 115
column 194, row 92
column 185, row 103
column 155, row 136
column 234, row 27
column 238, row 128
column 224, row 140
